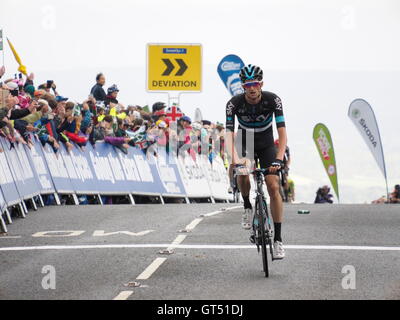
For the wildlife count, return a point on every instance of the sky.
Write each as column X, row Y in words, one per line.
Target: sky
column 318, row 56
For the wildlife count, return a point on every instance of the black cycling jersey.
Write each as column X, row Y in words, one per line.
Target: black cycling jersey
column 256, row 119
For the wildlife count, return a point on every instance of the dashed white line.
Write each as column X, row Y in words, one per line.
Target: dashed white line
column 179, row 239
column 193, row 224
column 220, row 211
column 124, row 295
column 10, row 237
column 146, row 274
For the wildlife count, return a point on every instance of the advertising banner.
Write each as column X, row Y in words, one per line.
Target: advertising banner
column 141, row 175
column 22, row 172
column 217, row 177
column 363, row 117
column 7, row 183
column 229, row 70
column 323, row 141
column 2, row 202
column 40, row 170
column 58, row 171
column 169, row 173
column 193, row 178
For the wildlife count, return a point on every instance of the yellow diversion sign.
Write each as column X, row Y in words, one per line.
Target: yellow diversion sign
column 174, row 67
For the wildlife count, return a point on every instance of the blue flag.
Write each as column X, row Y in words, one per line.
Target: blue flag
column 228, row 70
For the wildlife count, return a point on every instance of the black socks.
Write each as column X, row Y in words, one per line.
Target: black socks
column 247, row 203
column 277, row 228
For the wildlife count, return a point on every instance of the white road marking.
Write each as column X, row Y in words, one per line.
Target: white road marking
column 197, row 246
column 102, row 233
column 124, row 295
column 220, row 211
column 58, row 234
column 179, row 239
column 10, row 237
column 193, row 224
column 146, row 274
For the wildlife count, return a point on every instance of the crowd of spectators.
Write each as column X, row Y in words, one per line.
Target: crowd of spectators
column 394, row 196
column 27, row 109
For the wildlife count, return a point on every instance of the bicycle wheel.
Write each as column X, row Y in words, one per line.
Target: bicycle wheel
column 269, row 231
column 261, row 233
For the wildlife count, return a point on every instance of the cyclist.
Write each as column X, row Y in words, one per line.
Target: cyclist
column 255, row 110
column 291, row 190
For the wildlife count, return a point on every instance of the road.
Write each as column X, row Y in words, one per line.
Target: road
column 97, row 252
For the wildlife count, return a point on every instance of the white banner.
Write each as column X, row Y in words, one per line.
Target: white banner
column 217, row 177
column 193, row 178
column 363, row 117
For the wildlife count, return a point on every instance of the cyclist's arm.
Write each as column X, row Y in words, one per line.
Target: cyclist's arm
column 281, row 126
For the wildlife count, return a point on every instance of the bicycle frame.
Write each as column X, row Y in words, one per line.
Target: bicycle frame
column 263, row 231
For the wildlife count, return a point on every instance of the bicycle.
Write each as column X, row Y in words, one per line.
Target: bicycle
column 263, row 234
column 282, row 185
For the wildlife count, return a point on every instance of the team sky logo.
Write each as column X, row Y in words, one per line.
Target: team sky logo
column 260, row 118
column 229, row 109
column 278, row 104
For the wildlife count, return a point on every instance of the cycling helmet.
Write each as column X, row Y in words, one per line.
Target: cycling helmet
column 251, row 72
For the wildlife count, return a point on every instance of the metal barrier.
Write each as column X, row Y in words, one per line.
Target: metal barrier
column 28, row 173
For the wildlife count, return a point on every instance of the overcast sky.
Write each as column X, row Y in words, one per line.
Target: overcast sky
column 317, row 56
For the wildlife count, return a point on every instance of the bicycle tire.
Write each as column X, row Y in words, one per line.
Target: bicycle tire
column 261, row 228
column 271, row 248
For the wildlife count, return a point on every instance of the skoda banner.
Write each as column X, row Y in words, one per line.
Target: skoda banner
column 363, row 117
column 228, row 70
column 323, row 141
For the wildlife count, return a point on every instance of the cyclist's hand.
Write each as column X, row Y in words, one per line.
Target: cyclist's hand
column 276, row 166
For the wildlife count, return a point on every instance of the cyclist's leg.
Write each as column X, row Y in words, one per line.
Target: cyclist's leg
column 266, row 158
column 243, row 181
column 272, row 182
column 244, row 186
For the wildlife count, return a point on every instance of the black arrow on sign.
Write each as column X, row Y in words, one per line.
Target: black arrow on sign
column 170, row 67
column 183, row 66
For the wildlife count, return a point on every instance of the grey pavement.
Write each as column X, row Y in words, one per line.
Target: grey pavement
column 201, row 271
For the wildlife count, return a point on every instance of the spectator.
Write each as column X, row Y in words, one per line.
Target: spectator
column 323, row 195
column 381, row 200
column 158, row 106
column 97, row 91
column 395, row 195
column 112, row 94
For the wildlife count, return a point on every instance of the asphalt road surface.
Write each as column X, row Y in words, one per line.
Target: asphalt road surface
column 95, row 252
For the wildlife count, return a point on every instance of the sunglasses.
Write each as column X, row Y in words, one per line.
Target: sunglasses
column 252, row 84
